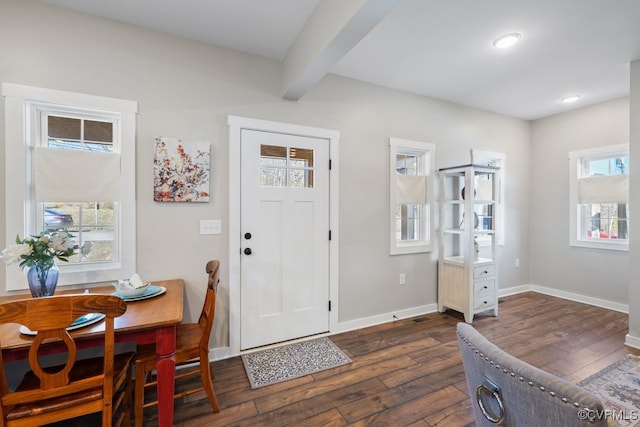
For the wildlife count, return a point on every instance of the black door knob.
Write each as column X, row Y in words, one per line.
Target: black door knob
column 247, row 236
column 247, row 251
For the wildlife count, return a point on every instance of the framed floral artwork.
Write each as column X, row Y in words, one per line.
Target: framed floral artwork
column 181, row 170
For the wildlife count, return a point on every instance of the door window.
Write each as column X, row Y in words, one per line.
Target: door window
column 286, row 166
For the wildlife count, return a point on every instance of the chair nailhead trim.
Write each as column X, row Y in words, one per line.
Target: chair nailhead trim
column 513, row 374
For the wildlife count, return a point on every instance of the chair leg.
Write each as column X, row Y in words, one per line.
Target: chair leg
column 126, row 400
column 207, row 380
column 141, row 378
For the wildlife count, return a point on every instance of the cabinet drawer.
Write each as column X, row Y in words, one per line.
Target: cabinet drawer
column 483, row 271
column 483, row 301
column 483, row 287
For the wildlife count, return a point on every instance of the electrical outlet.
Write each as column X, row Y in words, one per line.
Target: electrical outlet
column 403, row 279
column 517, row 262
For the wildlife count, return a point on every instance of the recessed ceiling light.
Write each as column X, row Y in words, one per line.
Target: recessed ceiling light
column 569, row 99
column 507, row 40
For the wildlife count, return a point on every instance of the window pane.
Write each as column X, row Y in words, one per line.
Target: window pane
column 98, row 131
column 64, row 128
column 300, row 157
column 92, row 224
column 407, row 164
column 607, row 166
column 408, row 222
column 606, row 221
column 300, row 178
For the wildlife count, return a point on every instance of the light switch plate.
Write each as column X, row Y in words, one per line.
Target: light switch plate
column 210, row 226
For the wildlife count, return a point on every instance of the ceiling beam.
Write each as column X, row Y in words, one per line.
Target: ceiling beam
column 332, row 30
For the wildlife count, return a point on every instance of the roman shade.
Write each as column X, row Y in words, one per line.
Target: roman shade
column 76, row 175
column 411, row 189
column 603, row 189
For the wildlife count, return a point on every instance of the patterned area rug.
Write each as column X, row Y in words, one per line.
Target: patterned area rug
column 618, row 386
column 284, row 363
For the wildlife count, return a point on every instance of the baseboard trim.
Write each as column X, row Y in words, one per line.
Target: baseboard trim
column 220, row 353
column 632, row 341
column 391, row 316
column 615, row 306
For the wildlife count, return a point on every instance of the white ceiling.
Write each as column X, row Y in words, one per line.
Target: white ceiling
column 438, row 48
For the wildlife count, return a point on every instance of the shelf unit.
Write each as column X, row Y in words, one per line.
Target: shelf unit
column 467, row 272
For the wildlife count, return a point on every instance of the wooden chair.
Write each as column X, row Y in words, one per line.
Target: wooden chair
column 50, row 394
column 192, row 345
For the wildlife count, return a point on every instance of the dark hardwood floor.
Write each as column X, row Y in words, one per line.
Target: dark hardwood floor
column 409, row 372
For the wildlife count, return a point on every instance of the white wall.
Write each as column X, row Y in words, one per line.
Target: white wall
column 634, row 268
column 187, row 89
column 601, row 274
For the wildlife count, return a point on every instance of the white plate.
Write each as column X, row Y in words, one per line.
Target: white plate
column 80, row 322
column 150, row 292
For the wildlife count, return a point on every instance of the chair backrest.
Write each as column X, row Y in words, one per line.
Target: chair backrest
column 209, row 307
column 507, row 391
column 50, row 316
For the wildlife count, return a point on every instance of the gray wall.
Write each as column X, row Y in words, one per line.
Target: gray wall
column 187, row 89
column 596, row 273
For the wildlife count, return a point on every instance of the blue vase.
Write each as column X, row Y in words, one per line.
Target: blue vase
column 42, row 280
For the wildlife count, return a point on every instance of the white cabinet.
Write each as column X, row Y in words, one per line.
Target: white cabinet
column 467, row 269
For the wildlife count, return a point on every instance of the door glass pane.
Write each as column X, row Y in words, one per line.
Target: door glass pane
column 300, row 157
column 286, row 166
column 273, row 177
column 300, row 178
column 271, row 155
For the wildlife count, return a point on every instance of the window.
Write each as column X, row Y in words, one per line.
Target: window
column 599, row 197
column 87, row 144
column 92, row 222
column 410, row 193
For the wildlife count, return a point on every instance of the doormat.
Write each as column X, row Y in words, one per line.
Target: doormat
column 618, row 387
column 291, row 361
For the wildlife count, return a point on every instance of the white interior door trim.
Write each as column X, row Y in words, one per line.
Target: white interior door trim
column 236, row 124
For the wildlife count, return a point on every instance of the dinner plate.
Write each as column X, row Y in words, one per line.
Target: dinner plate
column 150, row 292
column 80, row 322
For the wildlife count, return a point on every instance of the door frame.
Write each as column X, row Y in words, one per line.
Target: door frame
column 236, row 125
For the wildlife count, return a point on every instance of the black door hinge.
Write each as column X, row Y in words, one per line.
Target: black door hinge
column 329, row 305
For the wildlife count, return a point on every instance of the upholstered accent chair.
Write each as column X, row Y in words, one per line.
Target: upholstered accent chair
column 507, row 391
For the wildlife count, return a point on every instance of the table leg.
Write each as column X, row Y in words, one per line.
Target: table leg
column 166, row 370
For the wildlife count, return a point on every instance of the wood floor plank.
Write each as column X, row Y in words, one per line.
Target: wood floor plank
column 409, row 372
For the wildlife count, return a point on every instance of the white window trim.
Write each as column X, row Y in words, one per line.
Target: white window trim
column 575, row 235
column 426, row 243
column 18, row 142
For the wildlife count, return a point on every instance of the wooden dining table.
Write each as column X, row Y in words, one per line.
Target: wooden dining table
column 147, row 321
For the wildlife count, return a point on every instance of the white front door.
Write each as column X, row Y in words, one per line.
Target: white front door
column 284, row 224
